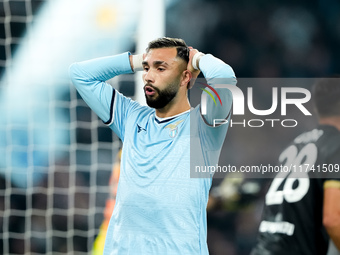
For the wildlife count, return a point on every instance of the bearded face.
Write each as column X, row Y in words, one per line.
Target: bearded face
column 157, row 98
column 162, row 76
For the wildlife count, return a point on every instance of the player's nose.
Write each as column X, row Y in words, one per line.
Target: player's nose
column 149, row 77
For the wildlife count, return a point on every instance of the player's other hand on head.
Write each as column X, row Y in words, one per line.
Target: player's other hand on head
column 193, row 71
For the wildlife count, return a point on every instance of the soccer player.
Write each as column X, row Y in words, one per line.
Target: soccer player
column 302, row 213
column 159, row 209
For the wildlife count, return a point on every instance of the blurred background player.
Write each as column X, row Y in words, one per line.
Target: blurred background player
column 302, row 212
column 98, row 245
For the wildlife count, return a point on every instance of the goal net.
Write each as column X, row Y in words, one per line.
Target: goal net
column 56, row 156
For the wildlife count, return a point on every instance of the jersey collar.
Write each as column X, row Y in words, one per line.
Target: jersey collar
column 167, row 119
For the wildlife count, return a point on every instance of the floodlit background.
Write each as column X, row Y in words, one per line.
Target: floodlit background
column 56, row 156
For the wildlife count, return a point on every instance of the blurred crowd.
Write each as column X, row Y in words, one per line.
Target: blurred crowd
column 263, row 38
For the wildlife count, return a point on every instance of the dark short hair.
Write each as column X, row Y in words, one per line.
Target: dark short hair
column 326, row 95
column 166, row 42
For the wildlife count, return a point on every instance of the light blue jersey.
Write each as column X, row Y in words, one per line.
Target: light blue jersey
column 159, row 208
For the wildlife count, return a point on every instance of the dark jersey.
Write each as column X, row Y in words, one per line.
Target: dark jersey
column 292, row 217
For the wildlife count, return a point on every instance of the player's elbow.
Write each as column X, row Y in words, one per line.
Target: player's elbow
column 72, row 71
column 75, row 74
column 229, row 71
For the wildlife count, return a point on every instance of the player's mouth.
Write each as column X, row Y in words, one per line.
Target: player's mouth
column 150, row 91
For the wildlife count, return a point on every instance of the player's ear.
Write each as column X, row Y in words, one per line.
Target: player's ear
column 186, row 77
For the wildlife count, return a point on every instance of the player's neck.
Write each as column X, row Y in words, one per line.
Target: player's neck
column 175, row 107
column 332, row 121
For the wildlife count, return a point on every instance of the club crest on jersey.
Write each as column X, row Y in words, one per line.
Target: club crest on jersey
column 173, row 128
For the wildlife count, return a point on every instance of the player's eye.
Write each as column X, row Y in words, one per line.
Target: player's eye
column 161, row 69
column 146, row 68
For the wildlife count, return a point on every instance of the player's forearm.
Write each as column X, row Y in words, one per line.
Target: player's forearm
column 331, row 210
column 212, row 67
column 89, row 78
column 332, row 226
column 99, row 69
column 216, row 73
column 334, row 234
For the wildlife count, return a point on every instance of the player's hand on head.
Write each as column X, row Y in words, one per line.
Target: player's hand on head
column 192, row 52
column 193, row 71
column 136, row 61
